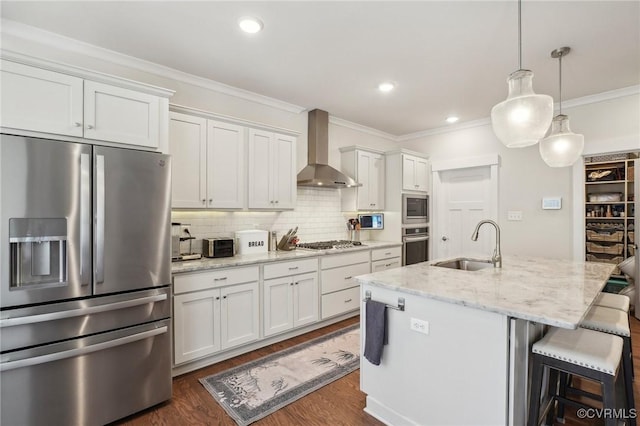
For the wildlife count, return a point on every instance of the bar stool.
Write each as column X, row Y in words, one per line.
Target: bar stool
column 581, row 352
column 612, row 321
column 613, row 301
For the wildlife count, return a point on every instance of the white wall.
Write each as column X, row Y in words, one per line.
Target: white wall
column 608, row 126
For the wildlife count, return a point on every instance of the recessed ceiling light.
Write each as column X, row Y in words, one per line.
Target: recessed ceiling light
column 387, row 86
column 250, row 25
column 452, row 119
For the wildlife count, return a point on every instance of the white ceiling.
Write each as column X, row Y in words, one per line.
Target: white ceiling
column 448, row 57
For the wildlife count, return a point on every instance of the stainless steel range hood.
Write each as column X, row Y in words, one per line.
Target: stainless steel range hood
column 318, row 173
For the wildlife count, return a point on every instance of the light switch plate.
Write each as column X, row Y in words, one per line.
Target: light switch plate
column 514, row 215
column 551, row 203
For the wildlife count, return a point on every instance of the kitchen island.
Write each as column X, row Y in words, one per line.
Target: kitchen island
column 458, row 353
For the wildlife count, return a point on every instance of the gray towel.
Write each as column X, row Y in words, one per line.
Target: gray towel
column 375, row 331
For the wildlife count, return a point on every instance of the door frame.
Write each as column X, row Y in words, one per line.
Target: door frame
column 437, row 214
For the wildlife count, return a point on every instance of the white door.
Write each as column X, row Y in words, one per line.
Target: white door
column 305, row 299
column 260, row 196
column 278, row 305
column 364, row 175
column 121, row 115
column 422, row 175
column 462, row 198
column 239, row 322
column 225, row 165
column 196, row 325
column 40, row 100
column 284, row 172
column 409, row 173
column 377, row 181
column 188, row 149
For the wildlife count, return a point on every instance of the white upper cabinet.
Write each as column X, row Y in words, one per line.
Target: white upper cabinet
column 272, row 179
column 415, row 174
column 368, row 169
column 120, row 115
column 40, row 100
column 225, row 165
column 208, row 162
column 188, row 149
column 65, row 101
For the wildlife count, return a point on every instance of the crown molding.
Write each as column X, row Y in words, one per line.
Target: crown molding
column 601, row 97
column 46, row 38
column 182, row 109
column 444, row 129
column 364, row 129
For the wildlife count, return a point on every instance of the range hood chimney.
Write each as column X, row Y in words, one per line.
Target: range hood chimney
column 318, row 173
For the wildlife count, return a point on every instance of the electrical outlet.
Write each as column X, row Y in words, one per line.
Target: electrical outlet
column 421, row 326
column 514, row 215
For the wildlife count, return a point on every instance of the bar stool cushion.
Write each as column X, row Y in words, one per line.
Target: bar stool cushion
column 613, row 301
column 587, row 348
column 608, row 320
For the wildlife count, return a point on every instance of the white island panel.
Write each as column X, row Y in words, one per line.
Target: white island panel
column 455, row 375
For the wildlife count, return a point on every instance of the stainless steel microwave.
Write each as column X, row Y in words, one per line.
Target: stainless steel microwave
column 415, row 208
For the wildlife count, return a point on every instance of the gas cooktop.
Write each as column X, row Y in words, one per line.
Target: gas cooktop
column 328, row 245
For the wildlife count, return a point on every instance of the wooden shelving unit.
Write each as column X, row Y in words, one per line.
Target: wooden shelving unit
column 609, row 210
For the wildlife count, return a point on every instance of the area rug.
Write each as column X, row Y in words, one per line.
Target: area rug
column 256, row 389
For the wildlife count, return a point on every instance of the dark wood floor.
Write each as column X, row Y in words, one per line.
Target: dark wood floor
column 339, row 403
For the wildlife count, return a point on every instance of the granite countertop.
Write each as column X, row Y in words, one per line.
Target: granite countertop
column 270, row 256
column 548, row 291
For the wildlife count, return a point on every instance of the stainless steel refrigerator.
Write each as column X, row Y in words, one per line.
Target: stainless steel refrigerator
column 85, row 263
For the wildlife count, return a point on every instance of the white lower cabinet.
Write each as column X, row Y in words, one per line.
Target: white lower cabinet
column 340, row 291
column 386, row 258
column 223, row 316
column 290, row 301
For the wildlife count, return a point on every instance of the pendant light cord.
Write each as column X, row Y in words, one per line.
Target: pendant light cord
column 520, row 33
column 560, row 84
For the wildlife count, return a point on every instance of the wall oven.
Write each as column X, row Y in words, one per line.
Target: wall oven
column 415, row 245
column 415, row 209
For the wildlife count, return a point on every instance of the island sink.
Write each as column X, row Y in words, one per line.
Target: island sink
column 465, row 264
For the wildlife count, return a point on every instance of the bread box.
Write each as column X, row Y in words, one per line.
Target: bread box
column 252, row 241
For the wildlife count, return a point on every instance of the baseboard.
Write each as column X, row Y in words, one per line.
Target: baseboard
column 385, row 414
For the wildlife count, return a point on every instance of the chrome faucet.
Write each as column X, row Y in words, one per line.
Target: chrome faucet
column 497, row 256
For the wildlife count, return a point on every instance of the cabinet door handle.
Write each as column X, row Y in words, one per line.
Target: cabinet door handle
column 445, row 238
column 217, row 297
column 388, row 254
column 293, row 268
column 77, row 124
column 276, row 201
column 224, row 297
column 220, row 279
column 296, row 283
column 210, row 200
column 204, row 201
column 89, row 126
column 348, row 300
column 348, row 278
column 417, row 186
column 291, row 283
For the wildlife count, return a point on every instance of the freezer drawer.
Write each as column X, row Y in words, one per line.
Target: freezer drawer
column 89, row 381
column 54, row 322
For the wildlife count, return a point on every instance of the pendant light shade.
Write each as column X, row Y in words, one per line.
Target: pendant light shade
column 562, row 147
column 524, row 117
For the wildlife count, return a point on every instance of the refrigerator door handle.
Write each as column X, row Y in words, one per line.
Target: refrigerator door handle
column 51, row 316
column 100, row 210
column 85, row 220
column 56, row 356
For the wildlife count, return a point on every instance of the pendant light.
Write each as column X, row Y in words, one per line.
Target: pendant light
column 524, row 117
column 562, row 147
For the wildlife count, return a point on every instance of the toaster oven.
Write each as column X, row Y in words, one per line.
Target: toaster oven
column 218, row 247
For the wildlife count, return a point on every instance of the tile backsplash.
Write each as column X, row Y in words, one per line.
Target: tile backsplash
column 317, row 216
